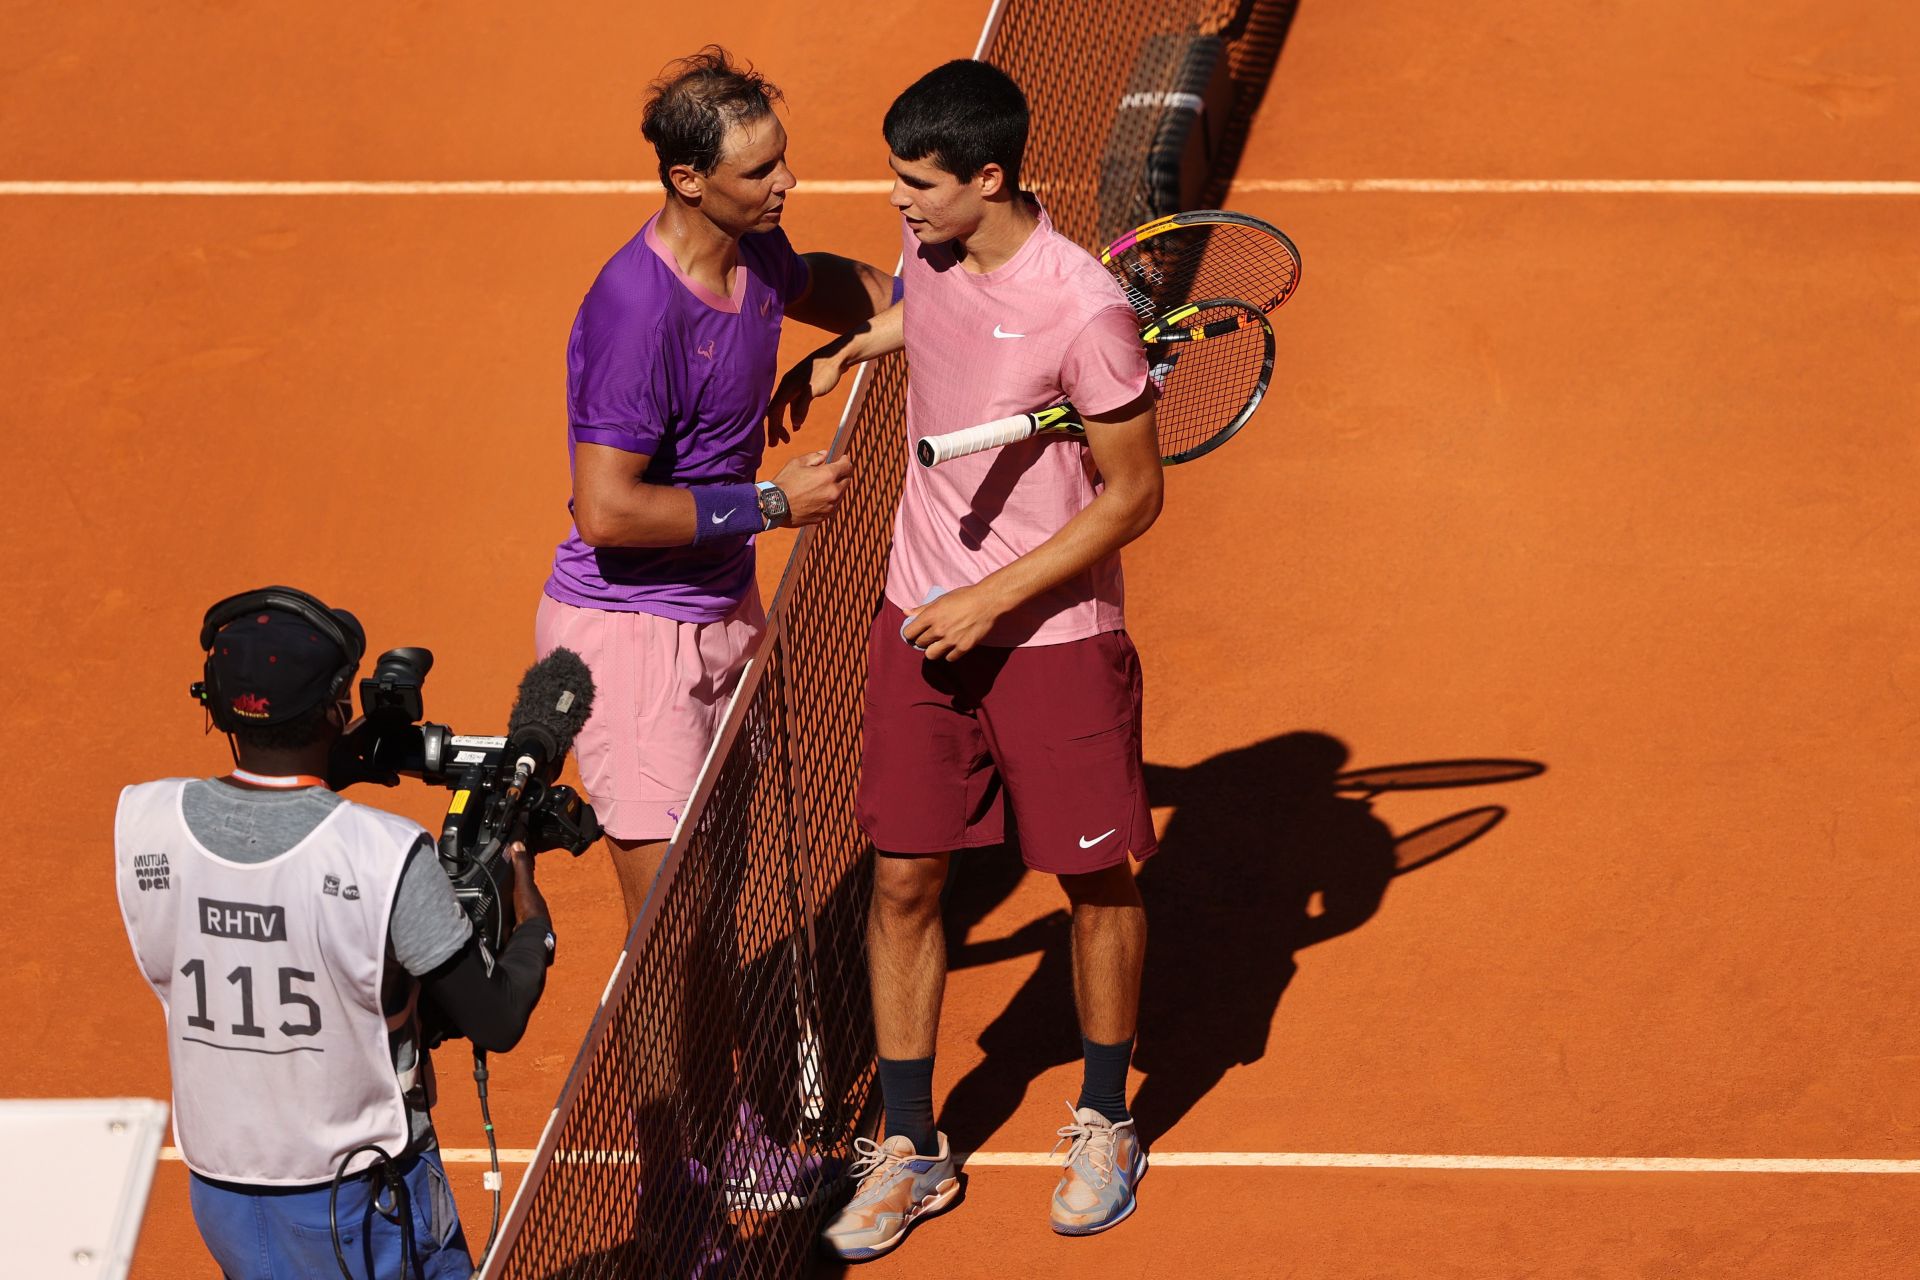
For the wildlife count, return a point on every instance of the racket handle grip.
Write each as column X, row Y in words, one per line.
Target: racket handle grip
column 934, row 450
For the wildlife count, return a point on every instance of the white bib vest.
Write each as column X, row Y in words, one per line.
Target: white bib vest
column 270, row 977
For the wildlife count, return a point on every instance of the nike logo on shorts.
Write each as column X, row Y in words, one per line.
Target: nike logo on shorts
column 720, row 517
column 998, row 334
column 1088, row 844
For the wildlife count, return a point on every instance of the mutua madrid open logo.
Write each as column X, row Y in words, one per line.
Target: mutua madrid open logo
column 150, row 871
column 250, row 705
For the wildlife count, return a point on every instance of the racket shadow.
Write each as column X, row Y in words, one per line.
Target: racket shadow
column 1010, row 462
column 1270, row 850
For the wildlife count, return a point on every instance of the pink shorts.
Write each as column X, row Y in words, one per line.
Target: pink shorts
column 661, row 688
column 1056, row 727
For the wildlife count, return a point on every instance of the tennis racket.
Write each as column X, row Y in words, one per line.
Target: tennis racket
column 1211, row 362
column 1207, row 253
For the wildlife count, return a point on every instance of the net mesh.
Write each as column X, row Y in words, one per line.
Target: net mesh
column 730, row 1065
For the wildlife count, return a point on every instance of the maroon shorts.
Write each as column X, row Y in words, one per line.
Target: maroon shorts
column 1056, row 727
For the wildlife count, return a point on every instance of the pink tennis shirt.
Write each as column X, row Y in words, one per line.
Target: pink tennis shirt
column 1048, row 325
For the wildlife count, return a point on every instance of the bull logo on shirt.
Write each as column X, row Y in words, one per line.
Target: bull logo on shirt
column 705, row 349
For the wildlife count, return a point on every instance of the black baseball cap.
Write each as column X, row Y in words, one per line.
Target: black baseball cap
column 271, row 664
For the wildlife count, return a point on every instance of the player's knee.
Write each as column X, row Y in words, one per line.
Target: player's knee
column 907, row 888
column 1108, row 887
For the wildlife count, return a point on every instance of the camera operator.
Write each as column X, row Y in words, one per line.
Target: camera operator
column 291, row 936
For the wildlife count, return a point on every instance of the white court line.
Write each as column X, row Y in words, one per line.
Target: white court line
column 875, row 187
column 1544, row 1164
column 473, row 188
column 1580, row 186
column 1318, row 1160
column 450, row 1155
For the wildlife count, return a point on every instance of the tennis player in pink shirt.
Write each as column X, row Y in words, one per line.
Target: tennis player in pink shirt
column 999, row 668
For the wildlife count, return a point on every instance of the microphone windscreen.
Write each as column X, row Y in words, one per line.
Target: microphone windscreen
column 555, row 699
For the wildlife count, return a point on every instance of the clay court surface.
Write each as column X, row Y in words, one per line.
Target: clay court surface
column 1617, row 484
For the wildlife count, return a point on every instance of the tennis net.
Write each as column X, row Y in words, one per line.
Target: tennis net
column 730, row 1065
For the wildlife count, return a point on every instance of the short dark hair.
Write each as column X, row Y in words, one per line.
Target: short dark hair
column 963, row 116
column 693, row 104
column 293, row 734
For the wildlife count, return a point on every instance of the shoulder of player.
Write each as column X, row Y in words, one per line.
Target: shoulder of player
column 612, row 321
column 1081, row 304
column 1086, row 284
column 632, row 292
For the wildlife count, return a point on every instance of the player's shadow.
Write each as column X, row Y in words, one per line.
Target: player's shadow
column 1271, row 848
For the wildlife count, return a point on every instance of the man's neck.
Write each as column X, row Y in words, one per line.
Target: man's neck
column 704, row 251
column 1003, row 229
column 307, row 762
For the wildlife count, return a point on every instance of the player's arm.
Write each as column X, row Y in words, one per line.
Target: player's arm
column 615, row 506
column 1128, row 457
column 841, row 294
column 622, row 402
column 818, row 374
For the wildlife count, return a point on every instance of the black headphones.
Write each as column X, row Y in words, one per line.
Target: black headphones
column 341, row 628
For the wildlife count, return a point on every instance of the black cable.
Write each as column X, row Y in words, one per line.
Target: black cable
column 493, row 1152
column 381, row 1169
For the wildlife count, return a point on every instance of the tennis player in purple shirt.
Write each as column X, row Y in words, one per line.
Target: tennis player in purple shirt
column 669, row 370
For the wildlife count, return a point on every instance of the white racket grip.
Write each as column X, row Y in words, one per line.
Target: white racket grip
column 934, row 450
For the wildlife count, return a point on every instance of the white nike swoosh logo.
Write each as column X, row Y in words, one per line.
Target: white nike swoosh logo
column 1088, row 844
column 720, row 517
column 998, row 334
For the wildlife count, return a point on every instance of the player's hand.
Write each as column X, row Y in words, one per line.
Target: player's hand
column 814, row 486
column 816, row 375
column 953, row 624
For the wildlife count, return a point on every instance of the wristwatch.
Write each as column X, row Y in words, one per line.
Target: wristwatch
column 773, row 505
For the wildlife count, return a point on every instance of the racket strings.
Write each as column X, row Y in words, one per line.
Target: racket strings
column 1206, row 387
column 1206, row 260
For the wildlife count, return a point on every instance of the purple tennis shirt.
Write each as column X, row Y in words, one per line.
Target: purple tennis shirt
column 662, row 366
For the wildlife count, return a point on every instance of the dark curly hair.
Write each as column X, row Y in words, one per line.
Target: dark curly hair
column 693, row 104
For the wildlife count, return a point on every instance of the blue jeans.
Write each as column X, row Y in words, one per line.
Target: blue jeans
column 282, row 1233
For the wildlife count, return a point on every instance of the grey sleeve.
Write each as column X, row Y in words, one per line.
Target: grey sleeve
column 427, row 926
